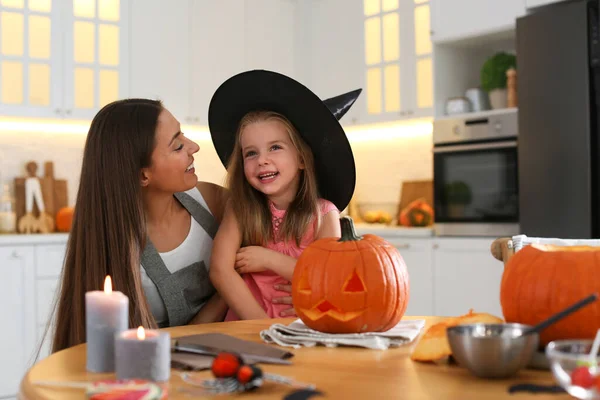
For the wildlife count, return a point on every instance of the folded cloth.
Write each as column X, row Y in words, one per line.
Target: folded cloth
column 519, row 241
column 297, row 335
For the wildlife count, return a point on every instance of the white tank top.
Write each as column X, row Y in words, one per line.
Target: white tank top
column 197, row 246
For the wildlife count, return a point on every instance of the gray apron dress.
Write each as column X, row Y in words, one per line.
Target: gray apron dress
column 185, row 291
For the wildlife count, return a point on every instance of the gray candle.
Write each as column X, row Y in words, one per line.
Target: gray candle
column 106, row 314
column 143, row 354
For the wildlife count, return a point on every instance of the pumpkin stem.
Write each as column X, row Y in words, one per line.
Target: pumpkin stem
column 348, row 231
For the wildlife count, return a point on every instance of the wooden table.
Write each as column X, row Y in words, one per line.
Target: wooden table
column 340, row 373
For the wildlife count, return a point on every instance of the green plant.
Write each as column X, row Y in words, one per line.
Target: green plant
column 458, row 192
column 493, row 71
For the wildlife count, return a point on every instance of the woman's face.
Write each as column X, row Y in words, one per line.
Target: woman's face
column 172, row 161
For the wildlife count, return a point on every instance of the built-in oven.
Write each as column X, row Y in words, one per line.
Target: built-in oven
column 475, row 176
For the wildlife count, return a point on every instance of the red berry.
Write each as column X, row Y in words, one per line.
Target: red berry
column 226, row 365
column 581, row 376
column 248, row 373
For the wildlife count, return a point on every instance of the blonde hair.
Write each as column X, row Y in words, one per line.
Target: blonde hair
column 251, row 207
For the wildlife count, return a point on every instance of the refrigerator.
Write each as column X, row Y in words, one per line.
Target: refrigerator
column 558, row 90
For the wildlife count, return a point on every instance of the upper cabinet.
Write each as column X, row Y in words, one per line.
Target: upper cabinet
column 382, row 46
column 214, row 40
column 96, row 55
column 61, row 58
column 160, row 54
column 462, row 19
column 398, row 59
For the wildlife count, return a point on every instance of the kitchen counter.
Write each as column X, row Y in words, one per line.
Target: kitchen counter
column 393, row 231
column 33, row 238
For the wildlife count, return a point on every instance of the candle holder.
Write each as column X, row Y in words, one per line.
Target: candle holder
column 106, row 314
column 142, row 354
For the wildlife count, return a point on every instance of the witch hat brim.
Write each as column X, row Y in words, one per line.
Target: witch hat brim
column 316, row 120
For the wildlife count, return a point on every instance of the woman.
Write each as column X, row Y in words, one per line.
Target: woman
column 142, row 217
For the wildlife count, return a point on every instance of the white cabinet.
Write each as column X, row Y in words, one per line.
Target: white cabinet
column 462, row 19
column 383, row 47
column 18, row 332
column 331, row 53
column 465, row 276
column 62, row 58
column 269, row 35
column 217, row 52
column 30, row 278
column 537, row 3
column 418, row 258
column 203, row 44
column 160, row 54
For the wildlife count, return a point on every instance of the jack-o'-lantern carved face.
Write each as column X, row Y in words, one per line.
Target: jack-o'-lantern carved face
column 351, row 284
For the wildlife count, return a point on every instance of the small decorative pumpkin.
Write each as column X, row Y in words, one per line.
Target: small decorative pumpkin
column 541, row 280
column 417, row 213
column 350, row 285
column 64, row 219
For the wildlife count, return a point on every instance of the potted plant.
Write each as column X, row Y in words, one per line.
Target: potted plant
column 493, row 77
column 458, row 196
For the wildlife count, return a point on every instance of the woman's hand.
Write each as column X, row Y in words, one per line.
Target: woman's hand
column 290, row 312
column 252, row 259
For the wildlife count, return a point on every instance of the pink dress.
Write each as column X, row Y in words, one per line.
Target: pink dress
column 261, row 283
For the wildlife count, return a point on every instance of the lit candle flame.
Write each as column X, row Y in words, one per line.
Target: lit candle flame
column 107, row 285
column 141, row 333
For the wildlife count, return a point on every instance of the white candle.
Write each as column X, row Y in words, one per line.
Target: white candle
column 106, row 314
column 143, row 354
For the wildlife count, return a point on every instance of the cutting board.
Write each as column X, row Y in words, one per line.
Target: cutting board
column 413, row 190
column 54, row 193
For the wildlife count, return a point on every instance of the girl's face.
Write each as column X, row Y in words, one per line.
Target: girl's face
column 271, row 162
column 172, row 161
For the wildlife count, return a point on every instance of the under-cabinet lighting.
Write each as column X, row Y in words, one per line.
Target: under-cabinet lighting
column 373, row 132
column 389, row 131
column 40, row 125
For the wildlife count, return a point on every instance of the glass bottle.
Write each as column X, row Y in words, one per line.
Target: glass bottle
column 8, row 216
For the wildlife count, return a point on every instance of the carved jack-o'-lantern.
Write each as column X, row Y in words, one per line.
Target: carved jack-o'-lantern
column 350, row 285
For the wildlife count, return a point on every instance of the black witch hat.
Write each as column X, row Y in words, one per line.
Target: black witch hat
column 316, row 120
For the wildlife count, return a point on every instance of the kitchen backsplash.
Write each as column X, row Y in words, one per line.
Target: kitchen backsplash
column 382, row 165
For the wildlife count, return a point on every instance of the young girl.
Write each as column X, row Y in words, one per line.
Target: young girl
column 290, row 169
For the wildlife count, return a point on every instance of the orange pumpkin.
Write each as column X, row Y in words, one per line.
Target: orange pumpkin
column 541, row 280
column 64, row 219
column 417, row 213
column 351, row 284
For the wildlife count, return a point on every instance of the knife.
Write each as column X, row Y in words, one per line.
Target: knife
column 211, row 351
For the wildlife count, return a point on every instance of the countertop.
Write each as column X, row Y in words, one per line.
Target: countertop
column 33, row 238
column 393, row 231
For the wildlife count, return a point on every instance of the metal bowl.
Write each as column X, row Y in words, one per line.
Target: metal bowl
column 492, row 350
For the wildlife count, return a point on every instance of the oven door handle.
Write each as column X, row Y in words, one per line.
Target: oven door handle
column 475, row 146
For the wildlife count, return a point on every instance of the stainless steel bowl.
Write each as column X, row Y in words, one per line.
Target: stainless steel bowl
column 492, row 350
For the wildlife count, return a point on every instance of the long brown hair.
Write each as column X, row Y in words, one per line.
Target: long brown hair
column 251, row 207
column 109, row 228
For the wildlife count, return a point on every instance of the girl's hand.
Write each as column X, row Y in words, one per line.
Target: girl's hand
column 290, row 312
column 252, row 259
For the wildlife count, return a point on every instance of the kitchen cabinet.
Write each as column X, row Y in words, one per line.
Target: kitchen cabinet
column 160, row 58
column 388, row 53
column 418, row 258
column 203, row 44
column 62, row 59
column 462, row 19
column 17, row 311
column 334, row 52
column 31, row 267
column 465, row 276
